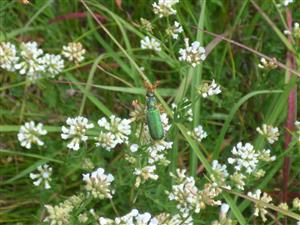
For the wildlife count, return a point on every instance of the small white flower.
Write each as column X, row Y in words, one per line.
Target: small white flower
column 224, row 210
column 239, row 180
column 8, row 56
column 30, row 134
column 76, row 131
column 164, row 7
column 98, row 184
column 265, row 155
column 287, row 2
column 157, row 152
column 145, row 173
column 268, row 64
column 185, row 193
column 134, row 147
column 198, row 133
column 295, row 31
column 270, row 132
column 120, row 128
column 54, row 64
column 150, row 43
column 165, row 122
column 206, row 89
column 296, row 204
column 259, row 208
column 245, row 157
column 74, row 51
column 106, row 140
column 193, row 54
column 220, row 173
column 31, row 63
column 175, row 30
column 297, row 125
column 43, row 176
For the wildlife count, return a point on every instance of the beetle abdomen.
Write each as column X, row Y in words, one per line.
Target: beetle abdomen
column 154, row 124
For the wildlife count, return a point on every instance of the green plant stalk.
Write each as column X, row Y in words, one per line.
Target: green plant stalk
column 196, row 74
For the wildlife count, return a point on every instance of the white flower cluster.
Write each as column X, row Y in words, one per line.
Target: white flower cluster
column 157, row 152
column 209, row 89
column 260, row 209
column 30, row 133
column 150, row 43
column 164, row 7
column 296, row 204
column 74, row 52
column 220, row 173
column 269, row 132
column 198, row 133
column 245, row 157
column 114, row 132
column 8, row 56
column 31, row 60
column 60, row 214
column 268, row 64
column 188, row 197
column 193, row 54
column 246, row 160
column 98, row 184
column 145, row 174
column 76, row 131
column 174, row 30
column 43, row 176
column 132, row 218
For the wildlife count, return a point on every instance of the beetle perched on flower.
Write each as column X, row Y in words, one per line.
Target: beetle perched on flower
column 152, row 113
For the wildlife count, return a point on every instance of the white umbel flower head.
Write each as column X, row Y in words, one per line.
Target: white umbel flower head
column 144, row 174
column 58, row 214
column 269, row 132
column 43, row 177
column 54, row 64
column 8, row 56
column 164, row 7
column 198, row 133
column 174, row 30
column 185, row 193
column 106, row 140
column 32, row 62
column 76, row 131
column 193, row 54
column 220, row 173
column 209, row 89
column 30, row 134
column 245, row 157
column 259, row 208
column 74, row 52
column 98, row 184
column 150, row 43
column 120, row 128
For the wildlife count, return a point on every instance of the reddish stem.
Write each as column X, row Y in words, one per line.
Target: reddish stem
column 291, row 117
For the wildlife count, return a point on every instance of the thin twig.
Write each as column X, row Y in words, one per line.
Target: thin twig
column 279, row 64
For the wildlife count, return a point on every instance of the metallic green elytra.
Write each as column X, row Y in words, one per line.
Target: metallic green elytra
column 153, row 118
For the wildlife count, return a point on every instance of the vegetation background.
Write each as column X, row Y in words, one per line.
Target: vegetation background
column 107, row 82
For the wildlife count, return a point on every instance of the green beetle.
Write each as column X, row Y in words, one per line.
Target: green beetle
column 153, row 114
